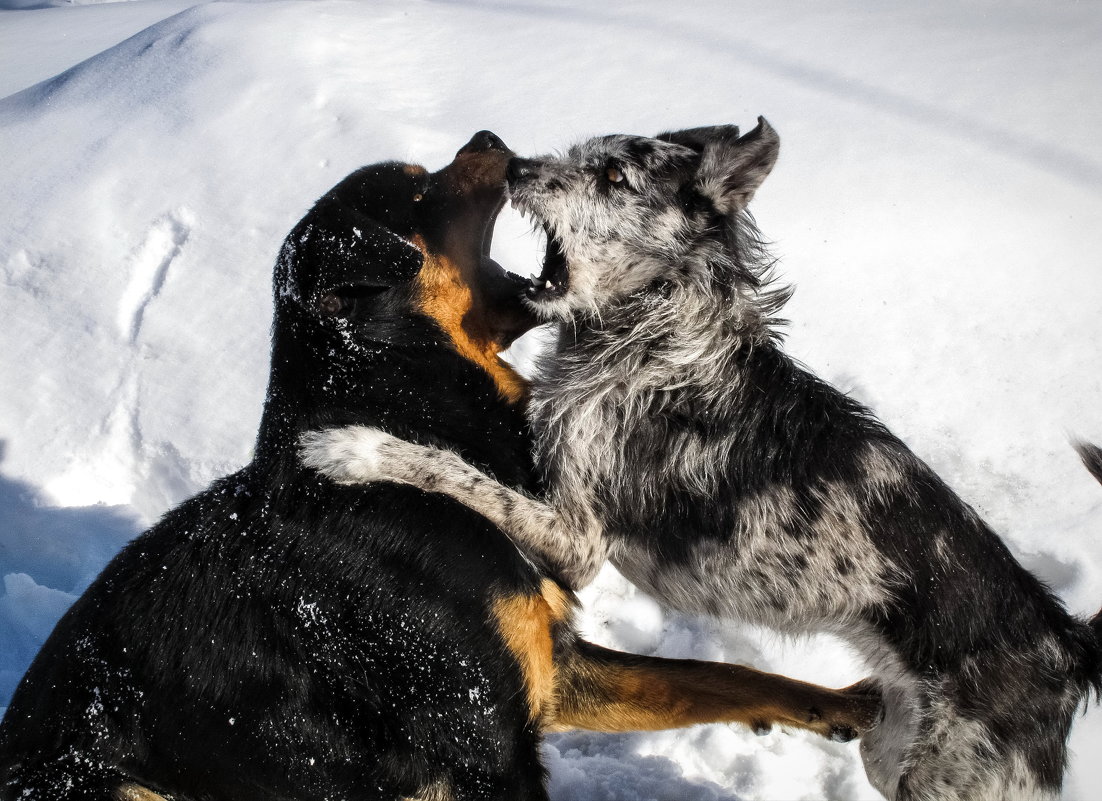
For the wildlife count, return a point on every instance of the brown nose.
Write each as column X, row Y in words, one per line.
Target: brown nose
column 483, row 141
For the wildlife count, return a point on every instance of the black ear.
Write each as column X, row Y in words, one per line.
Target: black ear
column 733, row 167
column 698, row 138
column 341, row 257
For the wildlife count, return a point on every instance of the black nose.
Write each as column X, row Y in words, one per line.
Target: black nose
column 483, row 141
column 519, row 169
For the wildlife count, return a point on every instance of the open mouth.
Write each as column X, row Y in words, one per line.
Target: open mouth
column 501, row 290
column 488, row 229
column 553, row 280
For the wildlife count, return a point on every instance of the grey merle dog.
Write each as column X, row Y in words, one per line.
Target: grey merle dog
column 678, row 440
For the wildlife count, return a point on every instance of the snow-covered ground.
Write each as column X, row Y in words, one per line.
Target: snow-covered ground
column 938, row 203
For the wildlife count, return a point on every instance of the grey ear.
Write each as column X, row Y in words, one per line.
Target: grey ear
column 731, row 170
column 699, row 138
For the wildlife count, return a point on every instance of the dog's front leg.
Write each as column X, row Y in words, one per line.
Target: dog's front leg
column 571, row 545
column 604, row 690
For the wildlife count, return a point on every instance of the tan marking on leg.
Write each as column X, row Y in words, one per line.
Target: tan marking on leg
column 605, row 690
column 525, row 622
column 135, row 792
column 562, row 602
column 439, row 790
column 445, row 297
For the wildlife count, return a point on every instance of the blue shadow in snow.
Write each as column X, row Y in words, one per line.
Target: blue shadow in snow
column 48, row 555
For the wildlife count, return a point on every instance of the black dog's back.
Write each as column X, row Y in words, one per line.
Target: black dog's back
column 270, row 614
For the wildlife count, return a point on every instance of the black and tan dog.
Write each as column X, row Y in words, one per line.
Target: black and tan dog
column 282, row 637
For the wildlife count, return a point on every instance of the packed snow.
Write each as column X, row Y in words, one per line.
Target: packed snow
column 938, row 204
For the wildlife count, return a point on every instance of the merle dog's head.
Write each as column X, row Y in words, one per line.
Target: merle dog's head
column 624, row 213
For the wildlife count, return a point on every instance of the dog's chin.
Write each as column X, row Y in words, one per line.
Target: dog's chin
column 549, row 294
column 556, row 310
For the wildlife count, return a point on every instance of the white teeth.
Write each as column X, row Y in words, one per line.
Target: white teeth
column 548, row 285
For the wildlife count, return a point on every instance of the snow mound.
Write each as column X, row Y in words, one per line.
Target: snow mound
column 937, row 203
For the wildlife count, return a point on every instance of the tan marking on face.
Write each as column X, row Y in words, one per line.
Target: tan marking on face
column 445, row 297
column 414, row 170
column 525, row 622
column 135, row 792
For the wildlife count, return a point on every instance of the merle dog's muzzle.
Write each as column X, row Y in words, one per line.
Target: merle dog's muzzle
column 552, row 281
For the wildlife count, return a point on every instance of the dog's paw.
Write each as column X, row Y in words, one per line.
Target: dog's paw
column 865, row 711
column 852, row 712
column 349, row 455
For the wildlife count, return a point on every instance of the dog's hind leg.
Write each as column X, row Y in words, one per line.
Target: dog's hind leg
column 604, row 690
column 568, row 542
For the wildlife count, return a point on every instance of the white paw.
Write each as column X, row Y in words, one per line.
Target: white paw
column 350, row 455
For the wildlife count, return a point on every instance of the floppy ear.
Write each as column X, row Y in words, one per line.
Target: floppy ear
column 731, row 167
column 342, row 255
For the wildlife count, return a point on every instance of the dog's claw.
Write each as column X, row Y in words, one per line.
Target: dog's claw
column 846, row 714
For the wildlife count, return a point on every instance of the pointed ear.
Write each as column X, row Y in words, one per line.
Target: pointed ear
column 699, row 138
column 731, row 170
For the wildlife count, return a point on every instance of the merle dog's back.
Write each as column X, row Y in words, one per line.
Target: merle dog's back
column 982, row 665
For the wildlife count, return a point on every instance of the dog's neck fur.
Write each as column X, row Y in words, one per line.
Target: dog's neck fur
column 345, row 381
column 679, row 350
column 682, row 333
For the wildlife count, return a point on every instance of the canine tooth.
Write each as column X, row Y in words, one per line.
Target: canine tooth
column 548, row 285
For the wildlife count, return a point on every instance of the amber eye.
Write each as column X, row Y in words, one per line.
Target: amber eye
column 614, row 175
column 417, row 198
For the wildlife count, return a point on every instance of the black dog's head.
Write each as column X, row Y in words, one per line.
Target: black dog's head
column 388, row 268
column 622, row 212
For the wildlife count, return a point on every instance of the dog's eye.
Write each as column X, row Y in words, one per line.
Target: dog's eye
column 615, row 176
column 343, row 302
column 333, row 305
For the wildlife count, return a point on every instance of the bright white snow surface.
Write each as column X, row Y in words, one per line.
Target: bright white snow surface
column 938, row 203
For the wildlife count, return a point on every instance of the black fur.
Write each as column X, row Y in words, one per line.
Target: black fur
column 282, row 637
